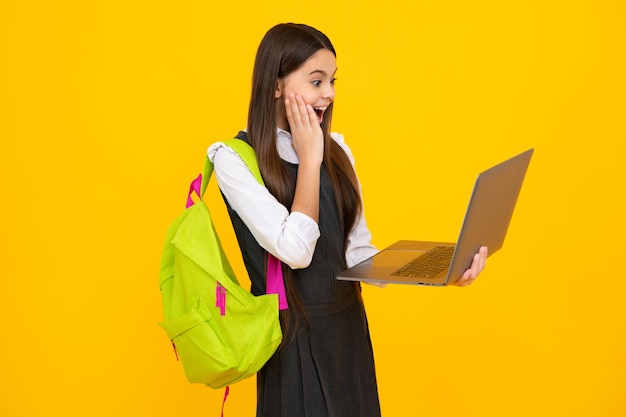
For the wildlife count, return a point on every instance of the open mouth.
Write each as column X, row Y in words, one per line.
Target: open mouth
column 320, row 114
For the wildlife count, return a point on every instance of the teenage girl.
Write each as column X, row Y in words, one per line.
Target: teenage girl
column 309, row 215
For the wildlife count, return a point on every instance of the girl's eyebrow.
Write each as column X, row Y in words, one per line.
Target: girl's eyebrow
column 322, row 72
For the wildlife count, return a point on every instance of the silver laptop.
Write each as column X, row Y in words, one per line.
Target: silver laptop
column 440, row 263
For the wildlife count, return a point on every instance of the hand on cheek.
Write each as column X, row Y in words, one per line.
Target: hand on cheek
column 306, row 133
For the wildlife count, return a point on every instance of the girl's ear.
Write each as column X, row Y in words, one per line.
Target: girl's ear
column 278, row 92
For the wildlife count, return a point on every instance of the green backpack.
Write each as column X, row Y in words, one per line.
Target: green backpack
column 221, row 333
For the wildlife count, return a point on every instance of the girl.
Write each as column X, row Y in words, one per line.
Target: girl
column 309, row 216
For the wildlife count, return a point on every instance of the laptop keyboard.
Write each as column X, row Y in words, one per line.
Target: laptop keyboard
column 429, row 264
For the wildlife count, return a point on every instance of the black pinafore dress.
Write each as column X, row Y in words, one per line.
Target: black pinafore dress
column 326, row 367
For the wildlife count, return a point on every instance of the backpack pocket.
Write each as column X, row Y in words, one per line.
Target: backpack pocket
column 205, row 357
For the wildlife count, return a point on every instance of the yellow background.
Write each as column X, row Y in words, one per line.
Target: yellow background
column 107, row 108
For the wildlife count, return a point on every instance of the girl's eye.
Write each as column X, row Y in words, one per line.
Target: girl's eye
column 317, row 83
column 332, row 82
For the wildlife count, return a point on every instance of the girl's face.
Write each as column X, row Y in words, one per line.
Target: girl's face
column 314, row 81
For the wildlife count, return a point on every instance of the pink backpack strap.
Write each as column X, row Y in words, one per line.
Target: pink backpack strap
column 226, row 392
column 275, row 283
column 194, row 187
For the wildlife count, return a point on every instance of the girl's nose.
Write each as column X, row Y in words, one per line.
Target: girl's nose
column 329, row 92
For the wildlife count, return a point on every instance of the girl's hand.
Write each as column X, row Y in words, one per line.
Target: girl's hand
column 306, row 133
column 478, row 264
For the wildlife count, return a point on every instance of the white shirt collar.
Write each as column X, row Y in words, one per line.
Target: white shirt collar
column 284, row 145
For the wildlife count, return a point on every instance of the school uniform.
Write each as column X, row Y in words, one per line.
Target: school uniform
column 326, row 366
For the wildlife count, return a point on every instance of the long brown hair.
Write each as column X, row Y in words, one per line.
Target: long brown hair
column 284, row 49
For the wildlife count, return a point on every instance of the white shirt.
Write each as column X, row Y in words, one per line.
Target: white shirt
column 291, row 237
